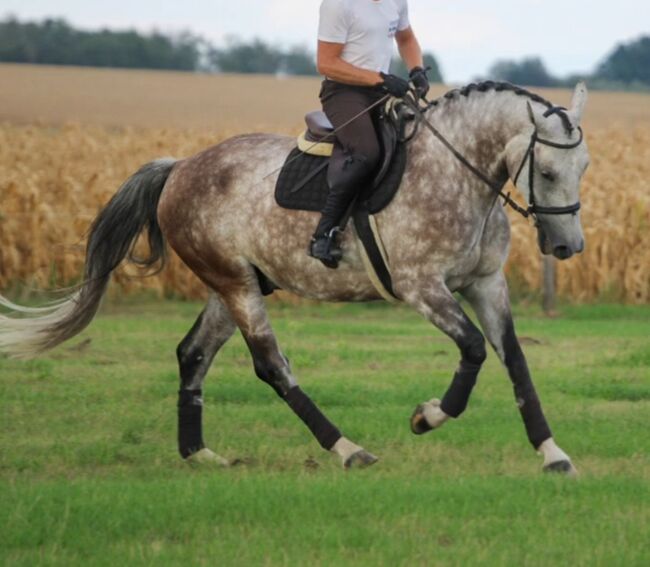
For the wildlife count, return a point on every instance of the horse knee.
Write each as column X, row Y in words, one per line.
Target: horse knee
column 278, row 377
column 474, row 351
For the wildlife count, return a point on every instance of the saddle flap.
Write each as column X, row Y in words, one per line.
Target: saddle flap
column 388, row 140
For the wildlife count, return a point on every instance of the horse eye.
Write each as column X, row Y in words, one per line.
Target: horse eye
column 548, row 175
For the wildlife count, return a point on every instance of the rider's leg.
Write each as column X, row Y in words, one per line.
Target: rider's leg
column 356, row 155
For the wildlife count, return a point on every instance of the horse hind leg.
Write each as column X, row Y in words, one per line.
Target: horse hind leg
column 246, row 305
column 195, row 353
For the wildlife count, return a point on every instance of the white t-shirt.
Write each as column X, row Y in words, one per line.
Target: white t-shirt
column 365, row 27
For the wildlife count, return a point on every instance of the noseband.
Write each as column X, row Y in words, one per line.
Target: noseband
column 533, row 208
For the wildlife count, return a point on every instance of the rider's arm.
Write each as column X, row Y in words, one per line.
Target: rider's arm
column 331, row 65
column 409, row 48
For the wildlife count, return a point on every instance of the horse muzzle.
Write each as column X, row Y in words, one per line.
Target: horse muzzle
column 561, row 250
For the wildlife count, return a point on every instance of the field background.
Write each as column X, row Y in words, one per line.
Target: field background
column 69, row 137
column 88, row 467
column 89, row 473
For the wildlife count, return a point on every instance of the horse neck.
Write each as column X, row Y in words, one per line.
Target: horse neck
column 480, row 126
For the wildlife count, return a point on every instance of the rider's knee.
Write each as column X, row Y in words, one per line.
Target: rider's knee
column 371, row 153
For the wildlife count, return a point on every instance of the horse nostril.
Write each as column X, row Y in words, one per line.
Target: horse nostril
column 562, row 252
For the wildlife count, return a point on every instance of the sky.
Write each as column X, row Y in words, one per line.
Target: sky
column 466, row 36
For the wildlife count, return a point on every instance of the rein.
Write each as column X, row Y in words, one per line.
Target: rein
column 533, row 208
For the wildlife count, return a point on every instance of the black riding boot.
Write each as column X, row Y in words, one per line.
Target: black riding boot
column 345, row 178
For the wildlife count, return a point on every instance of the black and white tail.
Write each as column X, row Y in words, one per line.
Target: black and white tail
column 26, row 332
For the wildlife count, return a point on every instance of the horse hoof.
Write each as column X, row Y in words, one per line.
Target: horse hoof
column 360, row 460
column 419, row 424
column 428, row 416
column 206, row 457
column 562, row 467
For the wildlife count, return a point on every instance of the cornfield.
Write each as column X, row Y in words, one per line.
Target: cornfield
column 55, row 178
column 616, row 220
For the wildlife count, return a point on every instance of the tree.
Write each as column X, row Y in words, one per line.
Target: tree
column 55, row 42
column 299, row 61
column 628, row 63
column 530, row 72
column 254, row 57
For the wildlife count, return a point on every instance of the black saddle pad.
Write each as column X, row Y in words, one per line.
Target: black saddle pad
column 302, row 183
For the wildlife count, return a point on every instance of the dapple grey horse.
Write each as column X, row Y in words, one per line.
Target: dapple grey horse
column 445, row 231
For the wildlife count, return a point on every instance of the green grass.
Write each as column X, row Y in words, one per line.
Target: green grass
column 89, row 472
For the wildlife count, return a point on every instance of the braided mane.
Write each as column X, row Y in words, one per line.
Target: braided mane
column 499, row 86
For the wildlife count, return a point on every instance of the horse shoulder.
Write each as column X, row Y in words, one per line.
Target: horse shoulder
column 495, row 245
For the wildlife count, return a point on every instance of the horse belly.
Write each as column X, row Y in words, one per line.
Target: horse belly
column 290, row 268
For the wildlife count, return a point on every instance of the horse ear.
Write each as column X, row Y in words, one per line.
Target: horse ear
column 531, row 114
column 578, row 103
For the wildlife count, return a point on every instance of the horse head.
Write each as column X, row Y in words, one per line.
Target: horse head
column 547, row 166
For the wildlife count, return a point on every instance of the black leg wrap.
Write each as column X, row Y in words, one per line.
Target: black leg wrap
column 455, row 399
column 537, row 428
column 190, row 430
column 530, row 408
column 322, row 428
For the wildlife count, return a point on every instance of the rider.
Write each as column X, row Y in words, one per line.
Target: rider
column 355, row 46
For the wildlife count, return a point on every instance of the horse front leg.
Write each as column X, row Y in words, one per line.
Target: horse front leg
column 438, row 305
column 489, row 298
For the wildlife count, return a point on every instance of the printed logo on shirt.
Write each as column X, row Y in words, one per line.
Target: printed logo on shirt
column 392, row 28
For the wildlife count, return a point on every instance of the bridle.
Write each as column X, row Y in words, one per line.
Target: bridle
column 532, row 209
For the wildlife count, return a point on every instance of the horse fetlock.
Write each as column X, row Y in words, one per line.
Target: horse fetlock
column 206, row 457
column 427, row 417
column 345, row 448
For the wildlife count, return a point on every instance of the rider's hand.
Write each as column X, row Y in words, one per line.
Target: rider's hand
column 420, row 81
column 394, row 85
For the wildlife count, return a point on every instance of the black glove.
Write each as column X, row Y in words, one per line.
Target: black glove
column 420, row 81
column 394, row 85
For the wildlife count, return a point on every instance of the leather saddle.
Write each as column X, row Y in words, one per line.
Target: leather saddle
column 302, row 182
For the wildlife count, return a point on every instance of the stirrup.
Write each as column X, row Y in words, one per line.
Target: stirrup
column 326, row 249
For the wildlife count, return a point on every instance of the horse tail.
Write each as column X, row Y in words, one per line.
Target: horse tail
column 112, row 237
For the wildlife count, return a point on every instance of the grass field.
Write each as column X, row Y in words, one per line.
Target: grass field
column 89, row 473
